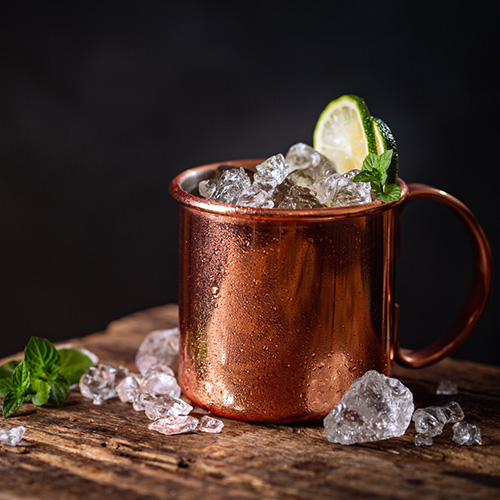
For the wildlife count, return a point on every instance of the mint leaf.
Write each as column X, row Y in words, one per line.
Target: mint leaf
column 11, row 403
column 384, row 161
column 6, row 386
column 21, row 378
column 375, row 170
column 392, row 192
column 41, row 390
column 369, row 162
column 377, row 191
column 59, row 391
column 44, row 376
column 363, row 177
column 73, row 364
column 7, row 369
column 42, row 358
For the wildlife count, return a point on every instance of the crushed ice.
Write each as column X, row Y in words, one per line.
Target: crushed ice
column 302, row 179
column 99, row 382
column 378, row 407
column 154, row 390
column 430, row 422
column 466, row 434
column 159, row 348
column 11, row 436
column 447, row 388
column 375, row 407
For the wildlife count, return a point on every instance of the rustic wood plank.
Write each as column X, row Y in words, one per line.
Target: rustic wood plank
column 86, row 451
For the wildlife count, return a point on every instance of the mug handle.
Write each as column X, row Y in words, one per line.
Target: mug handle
column 478, row 296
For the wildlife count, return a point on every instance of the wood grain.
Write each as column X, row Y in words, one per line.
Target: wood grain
column 95, row 452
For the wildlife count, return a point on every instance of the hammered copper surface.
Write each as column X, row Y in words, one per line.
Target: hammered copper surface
column 280, row 310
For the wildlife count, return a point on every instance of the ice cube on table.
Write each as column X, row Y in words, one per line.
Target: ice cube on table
column 375, row 407
column 466, row 434
column 11, row 436
column 433, row 418
column 137, row 403
column 429, row 420
column 157, row 381
column 129, row 388
column 423, row 439
column 160, row 348
column 447, row 388
column 157, row 407
column 176, row 424
column 210, row 425
column 452, row 411
column 99, row 382
column 227, row 188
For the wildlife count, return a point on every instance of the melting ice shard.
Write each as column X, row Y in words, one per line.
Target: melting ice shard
column 157, row 407
column 179, row 424
column 447, row 388
column 12, row 436
column 99, row 382
column 466, row 434
column 210, row 425
column 129, row 388
column 160, row 382
column 375, row 407
column 160, row 348
column 432, row 419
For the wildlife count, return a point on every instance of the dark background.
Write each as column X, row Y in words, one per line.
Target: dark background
column 101, row 105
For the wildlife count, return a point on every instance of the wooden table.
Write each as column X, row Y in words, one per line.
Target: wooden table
column 82, row 451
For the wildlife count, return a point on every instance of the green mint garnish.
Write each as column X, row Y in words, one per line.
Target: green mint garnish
column 73, row 364
column 19, row 385
column 59, row 391
column 21, row 379
column 43, row 377
column 374, row 171
column 41, row 391
column 11, row 403
column 42, row 358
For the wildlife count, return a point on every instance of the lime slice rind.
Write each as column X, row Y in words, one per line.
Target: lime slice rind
column 385, row 141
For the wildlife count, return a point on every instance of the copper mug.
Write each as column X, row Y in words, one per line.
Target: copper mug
column 280, row 310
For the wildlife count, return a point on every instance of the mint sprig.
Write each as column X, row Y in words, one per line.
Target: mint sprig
column 374, row 171
column 43, row 377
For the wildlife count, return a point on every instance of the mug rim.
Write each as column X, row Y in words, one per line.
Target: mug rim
column 187, row 199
